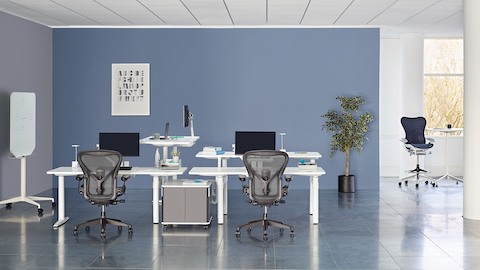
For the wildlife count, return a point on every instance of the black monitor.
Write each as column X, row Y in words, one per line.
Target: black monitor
column 188, row 119
column 254, row 140
column 128, row 144
column 186, row 116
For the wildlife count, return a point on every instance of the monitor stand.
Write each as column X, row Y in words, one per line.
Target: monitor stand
column 190, row 117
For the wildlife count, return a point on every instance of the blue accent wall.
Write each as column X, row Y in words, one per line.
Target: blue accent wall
column 279, row 80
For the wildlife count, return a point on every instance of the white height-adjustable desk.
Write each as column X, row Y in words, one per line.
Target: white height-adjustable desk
column 156, row 173
column 222, row 160
column 221, row 172
column 171, row 141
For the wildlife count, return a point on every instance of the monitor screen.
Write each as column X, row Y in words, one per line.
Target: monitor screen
column 128, row 144
column 186, row 116
column 254, row 140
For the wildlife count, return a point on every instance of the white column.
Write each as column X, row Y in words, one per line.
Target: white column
column 411, row 87
column 471, row 144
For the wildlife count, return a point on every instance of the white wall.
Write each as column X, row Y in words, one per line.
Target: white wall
column 390, row 146
column 392, row 151
column 25, row 66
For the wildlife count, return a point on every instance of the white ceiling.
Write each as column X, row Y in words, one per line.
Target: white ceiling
column 431, row 17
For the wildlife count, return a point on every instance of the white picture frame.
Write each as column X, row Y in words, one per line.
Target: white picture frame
column 130, row 89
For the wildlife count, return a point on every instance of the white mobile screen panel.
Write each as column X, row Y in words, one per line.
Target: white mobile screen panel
column 22, row 123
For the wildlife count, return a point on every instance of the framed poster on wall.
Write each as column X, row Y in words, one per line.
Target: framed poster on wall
column 131, row 89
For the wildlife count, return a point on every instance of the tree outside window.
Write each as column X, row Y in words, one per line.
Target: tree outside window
column 443, row 82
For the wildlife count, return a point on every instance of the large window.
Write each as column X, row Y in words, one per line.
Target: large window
column 443, row 82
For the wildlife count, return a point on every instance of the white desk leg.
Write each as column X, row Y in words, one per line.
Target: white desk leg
column 315, row 199
column 61, row 203
column 225, row 188
column 165, row 153
column 174, row 149
column 220, row 203
column 311, row 197
column 225, row 195
column 156, row 188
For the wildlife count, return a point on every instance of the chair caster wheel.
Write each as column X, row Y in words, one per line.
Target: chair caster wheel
column 265, row 237
column 249, row 229
column 119, row 228
column 292, row 233
column 54, row 204
column 416, row 186
column 102, row 235
column 399, row 184
column 237, row 234
column 406, row 183
column 426, row 182
column 130, row 231
column 87, row 229
column 9, row 206
column 40, row 212
column 75, row 232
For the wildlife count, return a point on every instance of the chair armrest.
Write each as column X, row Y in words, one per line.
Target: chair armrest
column 80, row 178
column 125, row 177
column 430, row 139
column 245, row 188
column 403, row 140
column 288, row 179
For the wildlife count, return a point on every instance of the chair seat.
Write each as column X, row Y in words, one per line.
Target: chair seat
column 422, row 145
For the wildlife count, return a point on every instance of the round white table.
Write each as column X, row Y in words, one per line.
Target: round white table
column 447, row 132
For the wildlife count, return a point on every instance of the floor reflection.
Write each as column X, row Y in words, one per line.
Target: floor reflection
column 394, row 228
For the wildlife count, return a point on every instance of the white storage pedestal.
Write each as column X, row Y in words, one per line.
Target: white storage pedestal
column 186, row 202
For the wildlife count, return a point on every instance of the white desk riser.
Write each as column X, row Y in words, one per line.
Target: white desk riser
column 156, row 173
column 220, row 174
column 172, row 141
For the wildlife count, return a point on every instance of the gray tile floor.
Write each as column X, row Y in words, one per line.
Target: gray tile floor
column 396, row 228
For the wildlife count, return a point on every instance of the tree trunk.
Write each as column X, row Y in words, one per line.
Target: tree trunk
column 347, row 161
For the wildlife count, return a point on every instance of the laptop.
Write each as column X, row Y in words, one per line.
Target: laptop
column 165, row 135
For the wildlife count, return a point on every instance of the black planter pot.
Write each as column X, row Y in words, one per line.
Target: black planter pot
column 346, row 184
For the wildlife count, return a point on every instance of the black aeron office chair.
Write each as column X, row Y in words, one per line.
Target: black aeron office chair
column 98, row 185
column 265, row 186
column 416, row 144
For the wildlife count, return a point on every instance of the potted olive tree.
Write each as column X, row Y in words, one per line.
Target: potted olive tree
column 349, row 128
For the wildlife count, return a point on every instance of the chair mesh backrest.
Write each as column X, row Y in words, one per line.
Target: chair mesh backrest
column 414, row 129
column 265, row 171
column 100, row 168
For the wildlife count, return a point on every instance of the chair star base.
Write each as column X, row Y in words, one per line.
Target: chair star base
column 417, row 175
column 265, row 223
column 103, row 221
